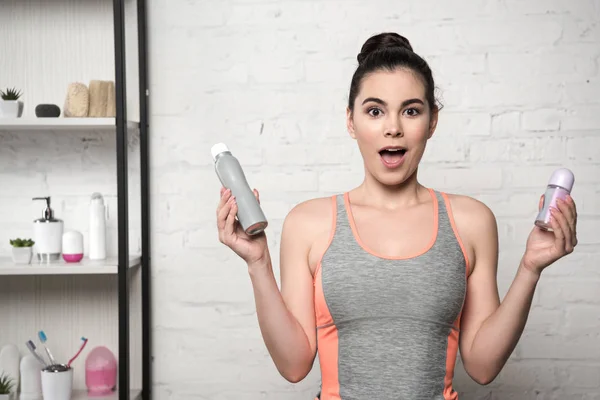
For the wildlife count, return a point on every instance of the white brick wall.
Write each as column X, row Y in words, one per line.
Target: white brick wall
column 520, row 83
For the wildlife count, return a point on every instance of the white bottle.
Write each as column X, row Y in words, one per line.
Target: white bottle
column 231, row 175
column 97, row 248
column 31, row 379
column 47, row 233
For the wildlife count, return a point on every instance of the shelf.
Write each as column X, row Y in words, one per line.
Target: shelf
column 134, row 394
column 84, row 267
column 61, row 123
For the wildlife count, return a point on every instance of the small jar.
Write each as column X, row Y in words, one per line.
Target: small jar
column 559, row 187
column 72, row 245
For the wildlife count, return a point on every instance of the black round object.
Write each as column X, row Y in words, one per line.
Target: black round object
column 47, row 111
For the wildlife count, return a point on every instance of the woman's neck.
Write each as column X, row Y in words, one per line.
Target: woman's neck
column 376, row 194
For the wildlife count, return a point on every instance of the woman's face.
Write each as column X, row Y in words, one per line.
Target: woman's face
column 391, row 123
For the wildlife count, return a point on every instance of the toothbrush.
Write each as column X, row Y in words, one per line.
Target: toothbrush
column 43, row 339
column 31, row 348
column 78, row 352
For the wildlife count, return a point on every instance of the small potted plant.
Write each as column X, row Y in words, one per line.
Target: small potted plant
column 10, row 106
column 6, row 387
column 22, row 250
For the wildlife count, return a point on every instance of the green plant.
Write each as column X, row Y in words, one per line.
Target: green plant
column 21, row 242
column 10, row 94
column 6, row 384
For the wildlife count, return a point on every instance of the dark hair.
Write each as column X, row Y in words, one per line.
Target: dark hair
column 388, row 51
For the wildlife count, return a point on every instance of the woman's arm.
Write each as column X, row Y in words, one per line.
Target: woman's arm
column 287, row 317
column 490, row 330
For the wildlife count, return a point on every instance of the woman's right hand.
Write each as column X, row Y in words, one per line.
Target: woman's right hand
column 251, row 249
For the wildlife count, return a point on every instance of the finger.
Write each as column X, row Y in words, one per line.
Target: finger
column 571, row 201
column 257, row 195
column 567, row 210
column 230, row 219
column 563, row 238
column 225, row 195
column 573, row 207
column 541, row 203
column 556, row 229
column 222, row 213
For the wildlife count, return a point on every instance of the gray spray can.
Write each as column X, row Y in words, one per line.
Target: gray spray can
column 230, row 173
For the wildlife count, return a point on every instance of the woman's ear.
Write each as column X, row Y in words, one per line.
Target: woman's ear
column 350, row 123
column 433, row 122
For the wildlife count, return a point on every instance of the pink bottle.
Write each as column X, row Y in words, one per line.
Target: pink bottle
column 559, row 187
column 100, row 372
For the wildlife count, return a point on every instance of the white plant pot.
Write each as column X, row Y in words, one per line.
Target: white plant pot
column 6, row 396
column 21, row 255
column 11, row 109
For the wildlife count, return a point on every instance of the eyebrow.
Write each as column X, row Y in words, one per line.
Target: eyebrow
column 383, row 103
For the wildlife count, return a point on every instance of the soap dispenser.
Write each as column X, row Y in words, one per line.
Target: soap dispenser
column 47, row 232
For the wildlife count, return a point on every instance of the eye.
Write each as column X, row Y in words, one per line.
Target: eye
column 374, row 112
column 412, row 112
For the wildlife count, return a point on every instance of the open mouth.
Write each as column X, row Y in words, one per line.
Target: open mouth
column 392, row 156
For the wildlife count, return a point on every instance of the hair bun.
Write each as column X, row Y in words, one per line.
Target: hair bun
column 383, row 41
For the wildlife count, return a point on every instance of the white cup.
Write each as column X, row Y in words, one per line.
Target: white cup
column 57, row 385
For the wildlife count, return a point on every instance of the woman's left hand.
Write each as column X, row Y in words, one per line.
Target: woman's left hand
column 543, row 247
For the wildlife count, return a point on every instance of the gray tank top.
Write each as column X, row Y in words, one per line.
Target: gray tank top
column 387, row 328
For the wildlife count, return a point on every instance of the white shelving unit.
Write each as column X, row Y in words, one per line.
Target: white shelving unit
column 83, row 267
column 46, row 46
column 61, row 124
column 82, row 395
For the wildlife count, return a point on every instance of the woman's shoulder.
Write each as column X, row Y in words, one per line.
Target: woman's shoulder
column 469, row 209
column 311, row 213
column 475, row 223
column 310, row 225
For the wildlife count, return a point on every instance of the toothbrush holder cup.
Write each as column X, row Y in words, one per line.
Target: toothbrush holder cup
column 57, row 384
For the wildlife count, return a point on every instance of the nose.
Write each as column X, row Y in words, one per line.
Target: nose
column 393, row 129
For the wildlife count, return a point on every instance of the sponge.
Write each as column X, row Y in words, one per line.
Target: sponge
column 98, row 98
column 77, row 100
column 111, row 105
column 102, row 99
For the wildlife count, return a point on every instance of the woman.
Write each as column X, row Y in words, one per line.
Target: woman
column 392, row 278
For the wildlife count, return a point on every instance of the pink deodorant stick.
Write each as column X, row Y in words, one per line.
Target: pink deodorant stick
column 559, row 187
